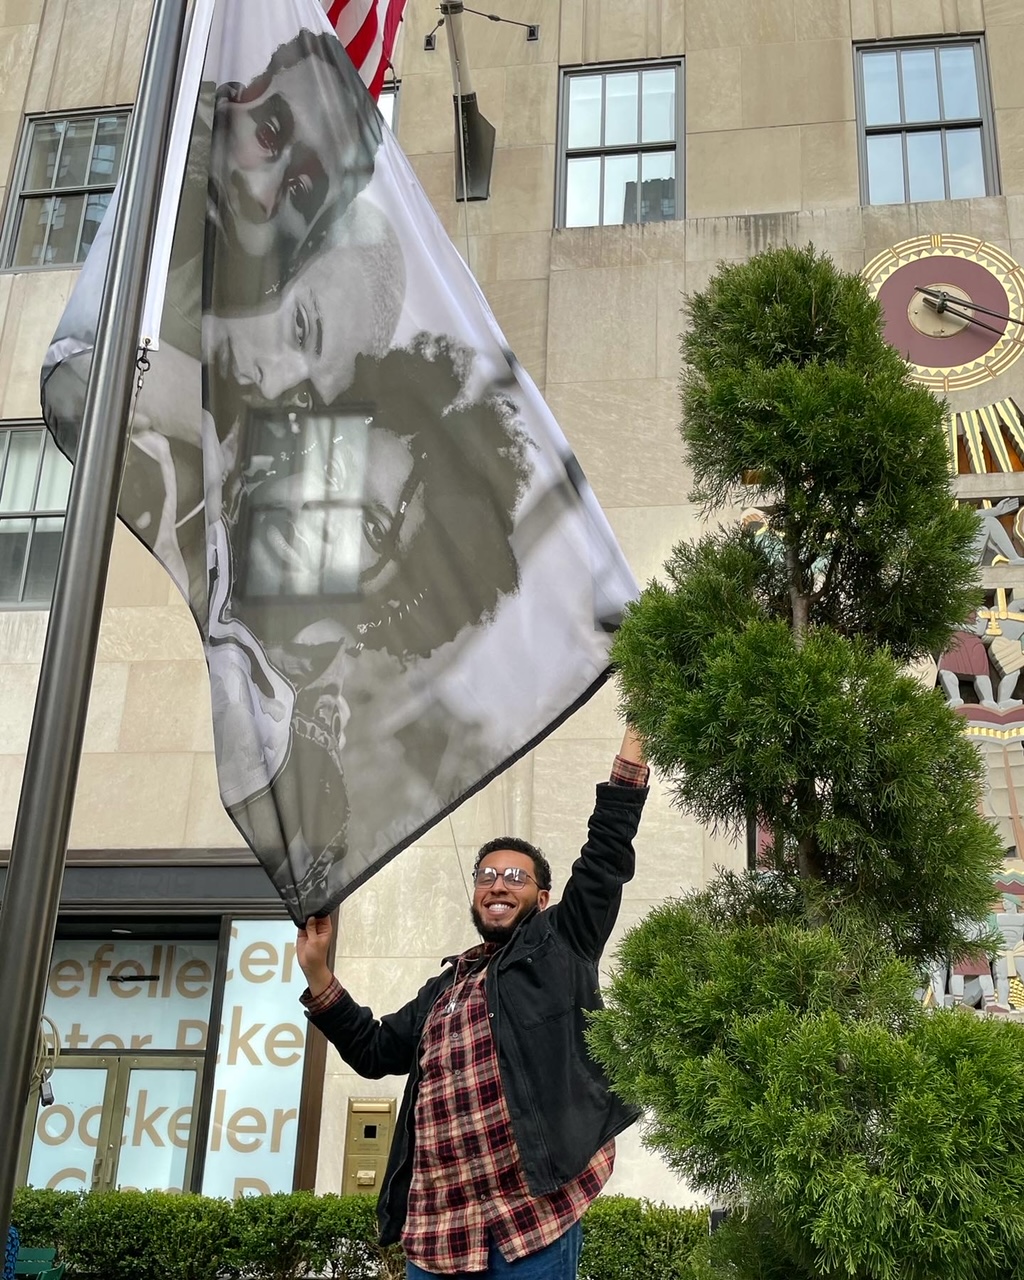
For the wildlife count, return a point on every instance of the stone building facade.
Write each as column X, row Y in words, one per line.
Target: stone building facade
column 776, row 133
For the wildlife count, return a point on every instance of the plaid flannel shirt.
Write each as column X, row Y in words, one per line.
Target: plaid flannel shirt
column 467, row 1178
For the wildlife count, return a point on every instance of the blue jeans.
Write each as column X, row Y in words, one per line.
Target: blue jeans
column 558, row 1261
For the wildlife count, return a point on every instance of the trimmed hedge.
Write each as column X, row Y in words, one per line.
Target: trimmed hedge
column 155, row 1235
column 627, row 1239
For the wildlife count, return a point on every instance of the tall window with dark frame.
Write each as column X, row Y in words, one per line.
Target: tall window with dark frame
column 926, row 122
column 65, row 176
column 620, row 145
column 34, row 481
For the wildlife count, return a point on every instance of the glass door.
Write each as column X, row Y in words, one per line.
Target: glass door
column 124, row 1121
column 155, row 1101
column 64, row 1143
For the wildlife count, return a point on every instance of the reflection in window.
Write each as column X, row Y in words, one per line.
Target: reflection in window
column 303, row 513
column 68, row 169
column 621, row 135
column 926, row 123
column 34, row 481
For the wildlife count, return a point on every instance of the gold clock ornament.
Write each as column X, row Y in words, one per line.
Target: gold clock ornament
column 953, row 305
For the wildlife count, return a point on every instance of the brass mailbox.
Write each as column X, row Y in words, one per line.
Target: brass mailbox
column 368, row 1132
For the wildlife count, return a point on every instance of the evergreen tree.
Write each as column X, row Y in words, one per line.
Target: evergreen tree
column 771, row 1024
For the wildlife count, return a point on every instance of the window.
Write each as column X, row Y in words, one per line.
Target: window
column 620, row 145
column 34, row 481
column 926, row 124
column 65, row 175
column 388, row 104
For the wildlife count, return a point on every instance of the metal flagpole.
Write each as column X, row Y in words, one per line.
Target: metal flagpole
column 28, row 917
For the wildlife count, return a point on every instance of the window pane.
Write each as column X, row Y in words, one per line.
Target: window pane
column 658, row 187
column 106, row 155
column 966, row 168
column 881, row 90
column 920, row 85
column 64, row 224
column 620, row 122
column 583, row 192
column 74, row 158
column 659, row 105
column 584, row 112
column 885, row 169
column 42, row 156
column 924, row 164
column 386, row 105
column 33, row 220
column 70, row 155
column 81, row 1091
column 13, row 541
column 43, row 553
column 153, row 1155
column 54, row 480
column 19, row 478
column 95, row 208
column 620, row 193
column 959, row 83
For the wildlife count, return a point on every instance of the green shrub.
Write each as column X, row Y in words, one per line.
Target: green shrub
column 767, row 1025
column 746, row 1247
column 113, row 1234
column 156, row 1235
column 790, row 1068
column 191, row 1236
column 348, row 1241
column 627, row 1239
column 145, row 1235
column 38, row 1214
column 276, row 1237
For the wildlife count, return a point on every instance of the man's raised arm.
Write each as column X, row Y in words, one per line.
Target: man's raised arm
column 372, row 1047
column 630, row 766
column 588, row 907
column 311, row 950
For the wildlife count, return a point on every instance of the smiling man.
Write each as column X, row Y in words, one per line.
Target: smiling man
column 506, row 1130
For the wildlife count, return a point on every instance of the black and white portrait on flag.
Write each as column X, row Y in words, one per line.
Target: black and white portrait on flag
column 400, row 575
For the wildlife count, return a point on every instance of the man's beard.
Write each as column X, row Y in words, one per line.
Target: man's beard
column 498, row 933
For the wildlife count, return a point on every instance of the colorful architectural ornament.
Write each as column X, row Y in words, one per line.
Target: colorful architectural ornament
column 953, row 306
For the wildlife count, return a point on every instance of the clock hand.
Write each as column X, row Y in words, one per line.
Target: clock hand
column 947, row 310
column 944, row 299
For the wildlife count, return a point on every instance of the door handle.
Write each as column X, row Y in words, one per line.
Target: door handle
column 103, row 1169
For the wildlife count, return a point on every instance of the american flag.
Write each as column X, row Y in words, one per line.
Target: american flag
column 367, row 29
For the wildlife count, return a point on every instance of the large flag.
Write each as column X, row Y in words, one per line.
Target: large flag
column 401, row 578
column 367, row 29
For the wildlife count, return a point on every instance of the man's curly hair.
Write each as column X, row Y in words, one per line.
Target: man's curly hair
column 513, row 844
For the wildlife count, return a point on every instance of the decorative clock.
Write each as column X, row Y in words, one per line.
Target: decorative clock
column 954, row 307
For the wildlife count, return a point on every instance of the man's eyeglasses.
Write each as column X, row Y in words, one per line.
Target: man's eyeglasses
column 514, row 877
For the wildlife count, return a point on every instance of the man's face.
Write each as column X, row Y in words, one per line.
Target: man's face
column 302, row 354
column 282, row 159
column 496, row 908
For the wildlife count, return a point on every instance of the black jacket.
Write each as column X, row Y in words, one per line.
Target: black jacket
column 539, row 988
